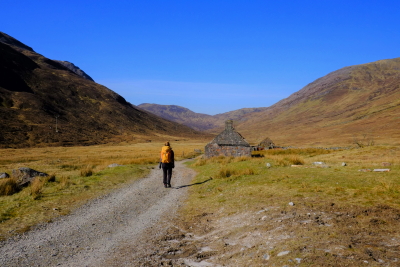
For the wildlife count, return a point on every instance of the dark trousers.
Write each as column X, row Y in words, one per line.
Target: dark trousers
column 167, row 172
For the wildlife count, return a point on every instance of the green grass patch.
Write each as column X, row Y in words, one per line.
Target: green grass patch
column 250, row 182
column 314, row 213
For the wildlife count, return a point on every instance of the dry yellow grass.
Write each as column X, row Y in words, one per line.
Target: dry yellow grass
column 37, row 187
column 8, row 186
column 70, row 160
column 77, row 174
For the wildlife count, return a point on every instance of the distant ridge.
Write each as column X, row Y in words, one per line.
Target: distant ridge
column 181, row 115
column 197, row 121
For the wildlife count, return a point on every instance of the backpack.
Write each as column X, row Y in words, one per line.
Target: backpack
column 166, row 155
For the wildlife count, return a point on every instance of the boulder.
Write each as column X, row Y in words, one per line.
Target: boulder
column 283, row 253
column 321, row 164
column 26, row 175
column 381, row 170
column 4, row 175
column 114, row 165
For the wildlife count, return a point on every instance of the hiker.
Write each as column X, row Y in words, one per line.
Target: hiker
column 167, row 163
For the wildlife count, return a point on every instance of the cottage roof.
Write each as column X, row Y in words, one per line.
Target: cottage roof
column 266, row 142
column 229, row 137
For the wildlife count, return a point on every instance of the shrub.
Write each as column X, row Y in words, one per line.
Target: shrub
column 87, row 171
column 227, row 160
column 281, row 161
column 288, row 160
column 64, row 182
column 242, row 158
column 8, row 186
column 37, row 187
column 295, row 160
column 219, row 159
column 50, row 178
column 200, row 162
column 69, row 167
column 247, row 171
column 225, row 173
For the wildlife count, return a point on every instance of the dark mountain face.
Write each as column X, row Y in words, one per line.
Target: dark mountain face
column 7, row 39
column 42, row 103
column 14, row 69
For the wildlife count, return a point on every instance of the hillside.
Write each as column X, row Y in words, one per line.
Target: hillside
column 43, row 103
column 197, row 121
column 181, row 115
column 354, row 104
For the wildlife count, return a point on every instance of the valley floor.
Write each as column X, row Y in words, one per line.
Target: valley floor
column 139, row 225
column 99, row 233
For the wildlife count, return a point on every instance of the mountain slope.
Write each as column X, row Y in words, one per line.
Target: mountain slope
column 7, row 39
column 181, row 115
column 44, row 103
column 75, row 69
column 357, row 102
column 197, row 121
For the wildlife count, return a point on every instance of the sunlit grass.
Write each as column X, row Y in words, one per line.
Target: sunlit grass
column 251, row 181
column 294, row 199
column 77, row 174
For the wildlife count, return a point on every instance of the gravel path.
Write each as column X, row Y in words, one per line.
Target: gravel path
column 94, row 234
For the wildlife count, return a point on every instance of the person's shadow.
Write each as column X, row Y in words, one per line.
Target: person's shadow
column 182, row 186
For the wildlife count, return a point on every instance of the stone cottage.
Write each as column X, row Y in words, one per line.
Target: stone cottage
column 228, row 143
column 266, row 144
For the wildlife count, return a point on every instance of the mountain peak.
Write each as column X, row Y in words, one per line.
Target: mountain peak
column 7, row 39
column 75, row 69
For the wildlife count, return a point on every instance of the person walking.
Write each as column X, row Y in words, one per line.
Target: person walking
column 167, row 163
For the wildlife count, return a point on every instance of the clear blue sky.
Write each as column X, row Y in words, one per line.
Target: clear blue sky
column 209, row 56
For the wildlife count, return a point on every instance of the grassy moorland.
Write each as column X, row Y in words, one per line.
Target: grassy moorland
column 77, row 174
column 302, row 215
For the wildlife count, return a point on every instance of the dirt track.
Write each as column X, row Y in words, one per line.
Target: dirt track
column 114, row 230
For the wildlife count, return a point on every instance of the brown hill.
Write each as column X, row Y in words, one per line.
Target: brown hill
column 44, row 103
column 354, row 104
column 197, row 121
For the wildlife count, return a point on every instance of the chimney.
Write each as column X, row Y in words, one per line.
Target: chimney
column 229, row 125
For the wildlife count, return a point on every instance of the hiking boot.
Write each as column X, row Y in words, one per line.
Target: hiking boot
column 165, row 185
column 169, row 185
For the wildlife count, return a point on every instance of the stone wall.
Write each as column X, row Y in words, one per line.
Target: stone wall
column 215, row 150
